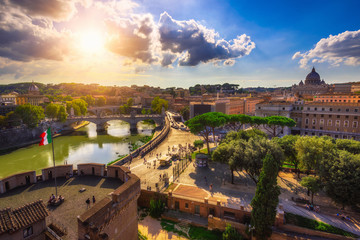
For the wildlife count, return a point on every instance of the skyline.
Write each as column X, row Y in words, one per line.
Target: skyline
column 137, row 42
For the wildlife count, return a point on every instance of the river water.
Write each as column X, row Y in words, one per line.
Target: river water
column 82, row 146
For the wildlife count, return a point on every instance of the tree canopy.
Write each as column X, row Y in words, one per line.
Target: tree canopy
column 266, row 199
column 158, row 103
column 30, row 115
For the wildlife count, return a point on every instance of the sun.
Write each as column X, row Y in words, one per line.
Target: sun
column 92, row 41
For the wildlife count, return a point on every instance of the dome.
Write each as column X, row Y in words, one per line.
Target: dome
column 313, row 78
column 33, row 89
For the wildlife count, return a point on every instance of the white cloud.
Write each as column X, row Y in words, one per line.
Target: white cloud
column 343, row 48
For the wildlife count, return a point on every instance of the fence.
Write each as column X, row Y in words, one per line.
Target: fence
column 143, row 150
column 179, row 167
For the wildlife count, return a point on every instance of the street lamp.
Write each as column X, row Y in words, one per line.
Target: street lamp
column 251, row 228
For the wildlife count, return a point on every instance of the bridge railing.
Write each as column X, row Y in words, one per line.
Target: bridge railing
column 143, row 150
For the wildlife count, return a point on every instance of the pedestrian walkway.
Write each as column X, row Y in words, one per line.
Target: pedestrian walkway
column 349, row 226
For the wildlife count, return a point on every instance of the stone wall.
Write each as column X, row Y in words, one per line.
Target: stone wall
column 60, row 171
column 115, row 171
column 146, row 196
column 95, row 169
column 17, row 180
column 114, row 218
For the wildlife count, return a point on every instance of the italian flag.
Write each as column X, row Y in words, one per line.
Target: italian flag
column 45, row 137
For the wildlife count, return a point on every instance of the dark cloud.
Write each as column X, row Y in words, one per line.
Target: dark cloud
column 195, row 43
column 341, row 48
column 55, row 9
column 134, row 38
column 22, row 40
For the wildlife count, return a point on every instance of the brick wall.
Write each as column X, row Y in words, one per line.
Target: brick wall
column 146, row 196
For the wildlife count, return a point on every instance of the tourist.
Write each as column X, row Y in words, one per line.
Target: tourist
column 94, row 200
column 87, row 203
column 210, row 187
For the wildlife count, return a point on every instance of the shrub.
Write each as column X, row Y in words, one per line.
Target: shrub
column 231, row 233
column 157, row 207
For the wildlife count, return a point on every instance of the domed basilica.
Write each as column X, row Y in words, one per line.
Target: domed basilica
column 313, row 85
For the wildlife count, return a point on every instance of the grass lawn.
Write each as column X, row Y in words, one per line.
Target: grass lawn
column 315, row 225
column 204, row 151
column 198, row 233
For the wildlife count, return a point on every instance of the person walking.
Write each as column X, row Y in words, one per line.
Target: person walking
column 94, row 200
column 87, row 203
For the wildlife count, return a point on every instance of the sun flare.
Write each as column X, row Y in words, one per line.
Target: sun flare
column 92, row 41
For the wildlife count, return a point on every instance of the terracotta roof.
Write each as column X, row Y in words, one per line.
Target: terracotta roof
column 13, row 220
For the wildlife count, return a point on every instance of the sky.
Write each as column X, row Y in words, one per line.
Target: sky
column 179, row 43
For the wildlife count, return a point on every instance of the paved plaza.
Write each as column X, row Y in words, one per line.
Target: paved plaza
column 74, row 205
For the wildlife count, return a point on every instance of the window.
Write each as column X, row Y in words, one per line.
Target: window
column 186, row 205
column 330, row 116
column 283, row 108
column 337, row 123
column 28, row 232
column 338, row 116
column 330, row 109
column 346, row 116
column 347, row 110
column 313, row 121
column 321, row 128
column 356, row 110
column 355, row 117
column 339, row 109
column 346, row 123
column 323, row 109
column 259, row 107
column 329, row 123
column 355, row 124
column 307, row 114
column 306, row 121
column 313, row 134
column 313, row 127
column 321, row 121
column 305, row 133
column 197, row 209
column 322, row 115
column 308, row 108
column 314, row 115
column 315, row 109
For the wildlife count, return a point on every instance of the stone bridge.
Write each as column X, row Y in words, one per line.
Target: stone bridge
column 101, row 120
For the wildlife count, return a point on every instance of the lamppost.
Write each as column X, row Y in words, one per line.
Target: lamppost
column 251, row 228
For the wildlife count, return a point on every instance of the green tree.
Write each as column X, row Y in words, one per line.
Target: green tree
column 185, row 112
column 342, row 182
column 13, row 119
column 311, row 151
column 198, row 144
column 78, row 105
column 287, row 143
column 101, row 101
column 312, row 184
column 244, row 134
column 62, row 115
column 157, row 207
column 90, row 100
column 254, row 154
column 149, row 111
column 30, row 114
column 215, row 120
column 230, row 233
column 130, row 102
column 349, row 145
column 257, row 121
column 51, row 110
column 200, row 125
column 3, row 121
column 266, row 199
column 158, row 103
column 231, row 153
column 237, row 121
column 124, row 109
column 275, row 124
column 143, row 111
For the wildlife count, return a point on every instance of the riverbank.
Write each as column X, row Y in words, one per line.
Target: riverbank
column 9, row 149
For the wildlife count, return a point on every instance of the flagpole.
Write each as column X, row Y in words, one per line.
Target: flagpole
column 52, row 146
